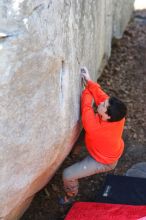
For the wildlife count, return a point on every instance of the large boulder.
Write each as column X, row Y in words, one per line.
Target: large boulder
column 42, row 46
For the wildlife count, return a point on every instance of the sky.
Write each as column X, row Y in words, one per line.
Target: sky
column 139, row 4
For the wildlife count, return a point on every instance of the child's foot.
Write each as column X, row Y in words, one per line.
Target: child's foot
column 66, row 200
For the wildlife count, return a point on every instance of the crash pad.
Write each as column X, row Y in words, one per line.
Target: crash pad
column 104, row 211
column 137, row 170
column 123, row 190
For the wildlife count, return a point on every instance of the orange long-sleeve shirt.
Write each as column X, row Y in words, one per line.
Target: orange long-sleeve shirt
column 103, row 139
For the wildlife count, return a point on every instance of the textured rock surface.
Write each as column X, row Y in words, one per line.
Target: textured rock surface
column 121, row 15
column 42, row 45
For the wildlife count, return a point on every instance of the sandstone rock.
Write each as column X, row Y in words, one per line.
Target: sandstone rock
column 121, row 15
column 42, row 46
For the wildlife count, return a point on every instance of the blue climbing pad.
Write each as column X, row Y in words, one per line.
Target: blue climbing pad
column 123, row 190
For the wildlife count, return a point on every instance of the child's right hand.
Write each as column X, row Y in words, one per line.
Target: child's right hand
column 85, row 74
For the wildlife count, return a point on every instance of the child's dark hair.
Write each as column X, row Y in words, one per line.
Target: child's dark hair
column 116, row 109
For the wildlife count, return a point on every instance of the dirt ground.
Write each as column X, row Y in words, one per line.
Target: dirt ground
column 124, row 77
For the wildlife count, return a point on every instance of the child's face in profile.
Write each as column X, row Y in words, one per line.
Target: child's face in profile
column 102, row 109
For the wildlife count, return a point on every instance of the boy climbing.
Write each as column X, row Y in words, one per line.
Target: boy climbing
column 103, row 136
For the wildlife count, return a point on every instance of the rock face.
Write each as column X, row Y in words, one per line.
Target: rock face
column 42, row 46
